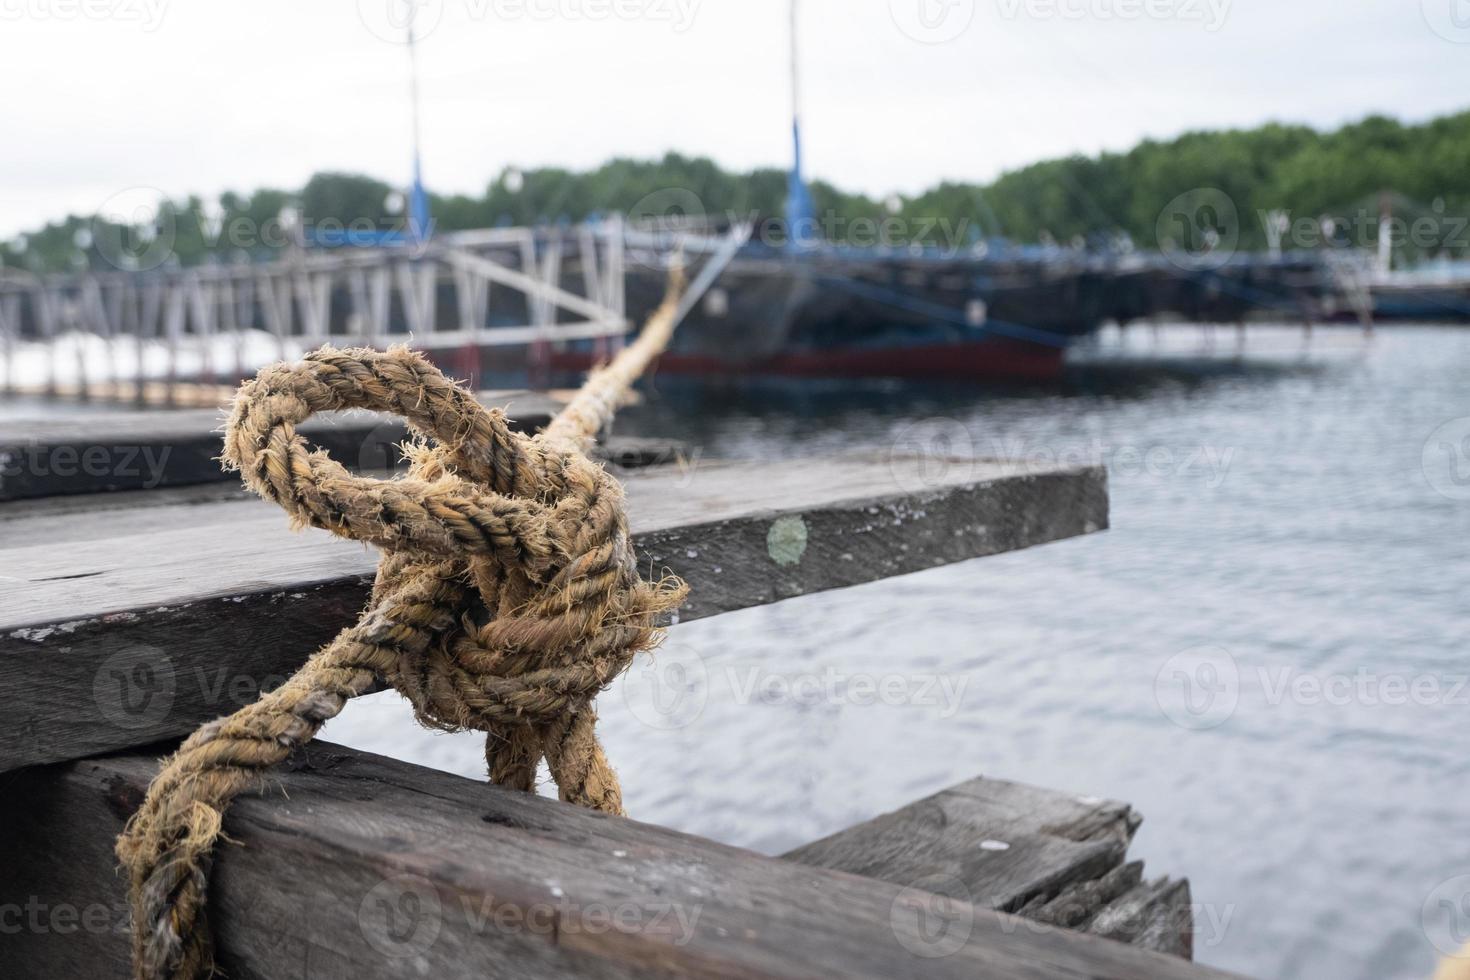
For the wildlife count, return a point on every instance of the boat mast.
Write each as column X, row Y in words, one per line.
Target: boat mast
column 1385, row 234
column 800, row 229
column 418, row 199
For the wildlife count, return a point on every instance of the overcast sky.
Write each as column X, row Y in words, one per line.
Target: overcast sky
column 200, row 96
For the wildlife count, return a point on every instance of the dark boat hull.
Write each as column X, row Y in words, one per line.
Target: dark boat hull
column 844, row 313
column 1440, row 303
column 836, row 315
column 988, row 360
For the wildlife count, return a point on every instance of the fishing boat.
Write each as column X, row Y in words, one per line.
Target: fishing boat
column 839, row 312
column 981, row 310
column 988, row 313
column 1438, row 291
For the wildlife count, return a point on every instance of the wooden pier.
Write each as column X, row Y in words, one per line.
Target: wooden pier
column 117, row 604
column 462, row 291
column 148, row 450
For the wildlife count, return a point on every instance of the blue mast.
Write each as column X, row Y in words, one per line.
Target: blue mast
column 418, row 198
column 417, row 230
column 800, row 220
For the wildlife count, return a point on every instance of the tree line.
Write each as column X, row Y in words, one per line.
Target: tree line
column 1316, row 189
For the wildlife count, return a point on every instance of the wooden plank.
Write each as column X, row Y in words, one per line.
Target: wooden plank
column 1052, row 857
column 142, row 450
column 122, row 627
column 356, row 867
column 54, row 520
column 66, row 517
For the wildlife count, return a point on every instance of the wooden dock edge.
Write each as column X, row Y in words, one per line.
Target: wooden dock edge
column 1051, row 857
column 354, row 866
column 138, row 450
column 112, row 642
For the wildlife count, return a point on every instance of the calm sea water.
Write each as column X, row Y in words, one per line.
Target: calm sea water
column 1266, row 654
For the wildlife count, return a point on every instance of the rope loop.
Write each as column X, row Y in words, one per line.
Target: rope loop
column 506, row 598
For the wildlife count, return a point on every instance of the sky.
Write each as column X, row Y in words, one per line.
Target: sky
column 103, row 97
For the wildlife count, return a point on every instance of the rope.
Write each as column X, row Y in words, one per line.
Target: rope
column 507, row 597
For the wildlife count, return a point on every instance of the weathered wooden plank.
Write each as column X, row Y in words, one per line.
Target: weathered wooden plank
column 141, row 450
column 1051, row 857
column 1157, row 915
column 118, row 628
column 358, row 867
column 51, row 520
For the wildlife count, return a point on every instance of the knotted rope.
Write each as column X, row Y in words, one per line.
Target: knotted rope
column 506, row 598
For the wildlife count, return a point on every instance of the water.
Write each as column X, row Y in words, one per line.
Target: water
column 1287, row 538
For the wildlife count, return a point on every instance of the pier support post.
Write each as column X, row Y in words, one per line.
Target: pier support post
column 9, row 339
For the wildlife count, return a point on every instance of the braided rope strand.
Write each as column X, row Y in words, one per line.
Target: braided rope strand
column 506, row 599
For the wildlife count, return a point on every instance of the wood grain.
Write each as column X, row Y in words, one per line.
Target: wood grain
column 119, row 627
column 356, row 867
column 83, row 453
column 1051, row 857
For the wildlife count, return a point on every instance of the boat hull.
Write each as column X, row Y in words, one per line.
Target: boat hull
column 833, row 315
column 1439, row 303
column 843, row 313
column 987, row 360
